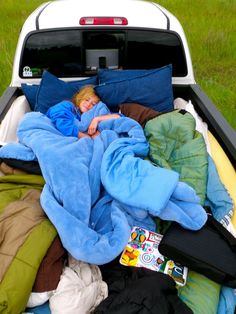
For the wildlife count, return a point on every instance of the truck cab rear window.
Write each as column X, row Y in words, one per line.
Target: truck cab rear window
column 76, row 52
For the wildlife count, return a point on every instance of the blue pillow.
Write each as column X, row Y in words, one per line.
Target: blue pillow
column 53, row 90
column 153, row 90
column 30, row 92
column 109, row 76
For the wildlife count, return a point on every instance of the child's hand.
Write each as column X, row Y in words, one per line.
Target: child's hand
column 96, row 134
column 93, row 126
column 81, row 134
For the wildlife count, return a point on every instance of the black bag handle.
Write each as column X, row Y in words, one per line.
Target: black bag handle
column 228, row 280
column 223, row 231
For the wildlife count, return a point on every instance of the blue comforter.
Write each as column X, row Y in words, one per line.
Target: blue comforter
column 97, row 189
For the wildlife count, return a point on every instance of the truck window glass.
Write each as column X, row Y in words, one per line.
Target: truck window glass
column 76, row 52
column 155, row 49
column 103, row 50
column 56, row 51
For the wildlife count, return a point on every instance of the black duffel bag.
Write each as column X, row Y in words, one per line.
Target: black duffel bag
column 210, row 251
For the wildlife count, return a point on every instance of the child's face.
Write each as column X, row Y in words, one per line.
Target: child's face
column 88, row 103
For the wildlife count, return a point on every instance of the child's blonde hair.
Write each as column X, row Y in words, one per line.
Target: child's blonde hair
column 84, row 93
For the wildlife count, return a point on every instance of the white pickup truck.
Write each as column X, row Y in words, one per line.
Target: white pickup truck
column 59, row 38
column 74, row 40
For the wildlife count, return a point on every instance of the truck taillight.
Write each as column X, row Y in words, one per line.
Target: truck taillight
column 95, row 20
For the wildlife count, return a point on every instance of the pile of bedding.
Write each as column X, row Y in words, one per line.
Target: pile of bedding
column 93, row 192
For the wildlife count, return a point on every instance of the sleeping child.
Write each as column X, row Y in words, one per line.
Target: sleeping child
column 80, row 116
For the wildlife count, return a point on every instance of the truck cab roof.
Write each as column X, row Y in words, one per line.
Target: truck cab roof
column 66, row 13
column 110, row 15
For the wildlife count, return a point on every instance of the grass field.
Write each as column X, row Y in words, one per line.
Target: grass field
column 210, row 27
column 12, row 16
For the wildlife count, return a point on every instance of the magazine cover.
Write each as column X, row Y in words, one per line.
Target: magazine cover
column 142, row 251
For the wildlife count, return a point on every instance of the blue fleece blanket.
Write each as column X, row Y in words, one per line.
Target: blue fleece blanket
column 97, row 189
column 98, row 110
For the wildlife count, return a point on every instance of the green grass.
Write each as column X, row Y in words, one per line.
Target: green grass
column 12, row 16
column 210, row 28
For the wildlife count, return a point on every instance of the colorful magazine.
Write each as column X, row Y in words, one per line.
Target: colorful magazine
column 142, row 251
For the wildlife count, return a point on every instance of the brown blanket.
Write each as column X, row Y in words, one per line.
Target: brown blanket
column 51, row 268
column 138, row 112
column 16, row 223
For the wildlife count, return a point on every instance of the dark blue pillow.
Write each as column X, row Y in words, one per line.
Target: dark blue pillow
column 153, row 90
column 53, row 90
column 109, row 76
column 30, row 92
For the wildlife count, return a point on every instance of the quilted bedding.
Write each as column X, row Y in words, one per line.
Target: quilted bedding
column 102, row 211
column 93, row 210
column 23, row 225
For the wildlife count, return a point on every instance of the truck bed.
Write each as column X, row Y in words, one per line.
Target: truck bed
column 217, row 124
